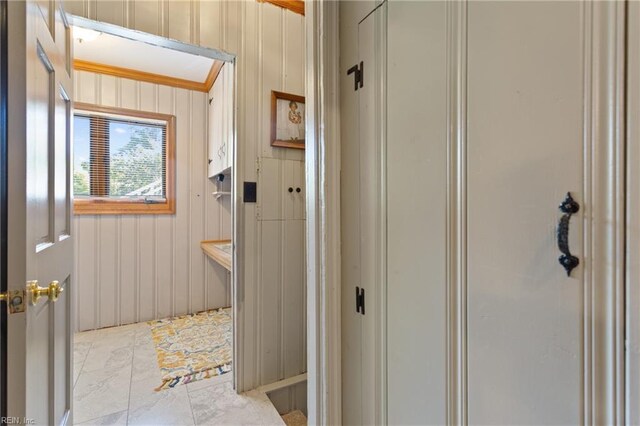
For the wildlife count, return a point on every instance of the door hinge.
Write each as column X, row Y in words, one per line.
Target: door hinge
column 15, row 300
column 360, row 300
column 358, row 78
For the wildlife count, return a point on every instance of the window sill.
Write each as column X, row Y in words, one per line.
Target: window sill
column 96, row 206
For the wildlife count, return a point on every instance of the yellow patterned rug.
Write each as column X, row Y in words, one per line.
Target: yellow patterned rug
column 193, row 347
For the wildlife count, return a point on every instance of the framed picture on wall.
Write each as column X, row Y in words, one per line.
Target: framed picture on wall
column 287, row 120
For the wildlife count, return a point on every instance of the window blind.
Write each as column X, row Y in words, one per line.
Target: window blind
column 119, row 157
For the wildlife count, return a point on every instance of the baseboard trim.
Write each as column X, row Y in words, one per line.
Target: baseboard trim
column 281, row 384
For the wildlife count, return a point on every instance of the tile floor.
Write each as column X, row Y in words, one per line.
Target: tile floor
column 116, row 372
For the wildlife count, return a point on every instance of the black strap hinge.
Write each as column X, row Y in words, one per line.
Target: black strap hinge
column 358, row 78
column 360, row 300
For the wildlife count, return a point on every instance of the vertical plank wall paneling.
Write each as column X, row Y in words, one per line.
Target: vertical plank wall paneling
column 137, row 268
column 269, row 44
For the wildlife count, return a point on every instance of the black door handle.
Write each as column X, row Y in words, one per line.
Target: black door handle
column 569, row 206
column 290, row 189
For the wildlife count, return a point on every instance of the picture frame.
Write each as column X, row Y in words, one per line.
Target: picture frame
column 287, row 120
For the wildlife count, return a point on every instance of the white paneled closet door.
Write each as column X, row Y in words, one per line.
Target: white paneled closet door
column 362, row 233
column 416, row 196
column 525, row 151
column 474, row 121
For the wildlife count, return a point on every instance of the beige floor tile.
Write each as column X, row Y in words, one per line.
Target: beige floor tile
column 117, row 373
column 220, row 405
column 77, row 367
column 143, row 336
column 115, row 419
column 264, row 408
column 86, row 336
column 165, row 407
column 108, row 358
column 113, row 339
column 100, row 393
column 145, row 364
column 80, row 350
column 112, row 350
column 211, row 381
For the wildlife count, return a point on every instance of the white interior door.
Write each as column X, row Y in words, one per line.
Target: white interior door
column 362, row 224
column 525, row 149
column 41, row 247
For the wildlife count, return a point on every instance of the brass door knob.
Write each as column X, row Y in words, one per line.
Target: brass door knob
column 36, row 292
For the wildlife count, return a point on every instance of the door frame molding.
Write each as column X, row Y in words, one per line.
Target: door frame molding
column 604, row 32
column 632, row 302
column 322, row 162
column 456, row 410
column 16, row 195
column 3, row 201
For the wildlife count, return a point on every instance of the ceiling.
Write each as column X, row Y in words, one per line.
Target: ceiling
column 121, row 52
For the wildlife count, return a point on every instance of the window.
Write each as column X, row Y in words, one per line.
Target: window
column 123, row 161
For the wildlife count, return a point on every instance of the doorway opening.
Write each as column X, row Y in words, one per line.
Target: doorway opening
column 154, row 190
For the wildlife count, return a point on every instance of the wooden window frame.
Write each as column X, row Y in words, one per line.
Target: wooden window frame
column 108, row 206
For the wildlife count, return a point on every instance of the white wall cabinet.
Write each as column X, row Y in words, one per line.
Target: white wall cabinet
column 281, row 189
column 472, row 122
column 220, row 123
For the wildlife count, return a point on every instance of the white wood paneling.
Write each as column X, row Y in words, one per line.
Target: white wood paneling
column 293, row 299
column 137, row 268
column 290, row 398
column 270, row 49
column 281, row 310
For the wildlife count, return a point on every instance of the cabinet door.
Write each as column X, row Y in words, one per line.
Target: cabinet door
column 227, row 74
column 216, row 129
column 210, row 135
column 370, row 48
column 281, row 189
column 362, row 231
column 294, row 205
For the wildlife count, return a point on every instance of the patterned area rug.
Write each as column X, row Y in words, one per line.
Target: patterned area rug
column 193, row 347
